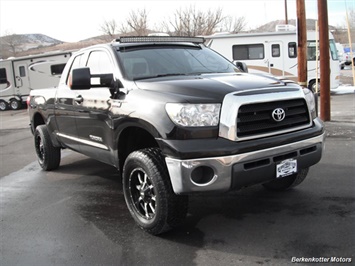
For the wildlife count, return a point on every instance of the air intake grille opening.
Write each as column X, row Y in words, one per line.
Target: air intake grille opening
column 255, row 119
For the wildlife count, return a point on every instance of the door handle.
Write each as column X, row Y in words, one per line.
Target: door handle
column 79, row 99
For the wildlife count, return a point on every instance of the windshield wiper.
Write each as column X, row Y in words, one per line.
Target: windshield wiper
column 170, row 74
column 161, row 75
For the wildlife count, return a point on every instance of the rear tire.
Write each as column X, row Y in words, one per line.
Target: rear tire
column 287, row 182
column 15, row 104
column 48, row 156
column 3, row 105
column 148, row 192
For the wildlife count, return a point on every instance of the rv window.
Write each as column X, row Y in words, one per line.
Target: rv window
column 312, row 51
column 292, row 50
column 248, row 52
column 57, row 69
column 240, row 52
column 3, row 76
column 275, row 50
column 22, row 71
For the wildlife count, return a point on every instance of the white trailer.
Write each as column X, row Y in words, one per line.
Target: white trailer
column 275, row 53
column 20, row 75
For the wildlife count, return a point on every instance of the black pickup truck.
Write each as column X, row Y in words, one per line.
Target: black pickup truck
column 176, row 118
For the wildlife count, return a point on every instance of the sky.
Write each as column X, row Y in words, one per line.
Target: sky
column 75, row 20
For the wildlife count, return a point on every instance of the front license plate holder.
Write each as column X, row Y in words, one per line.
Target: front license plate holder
column 286, row 168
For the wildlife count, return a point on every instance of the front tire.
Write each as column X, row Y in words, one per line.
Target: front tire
column 48, row 156
column 148, row 192
column 313, row 87
column 287, row 182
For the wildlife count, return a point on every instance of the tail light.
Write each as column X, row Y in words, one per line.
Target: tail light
column 28, row 101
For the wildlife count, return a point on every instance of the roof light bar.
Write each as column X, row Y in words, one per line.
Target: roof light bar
column 140, row 39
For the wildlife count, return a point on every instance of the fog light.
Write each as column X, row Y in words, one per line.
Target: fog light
column 202, row 175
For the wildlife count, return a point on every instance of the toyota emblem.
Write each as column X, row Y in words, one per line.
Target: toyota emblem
column 278, row 114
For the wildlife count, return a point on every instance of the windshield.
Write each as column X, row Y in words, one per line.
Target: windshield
column 152, row 61
column 333, row 50
column 312, row 50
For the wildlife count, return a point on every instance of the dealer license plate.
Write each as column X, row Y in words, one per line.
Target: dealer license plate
column 286, row 168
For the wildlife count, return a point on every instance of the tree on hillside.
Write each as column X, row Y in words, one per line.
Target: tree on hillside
column 193, row 22
column 233, row 24
column 138, row 22
column 351, row 17
column 10, row 45
column 109, row 28
column 187, row 21
column 341, row 31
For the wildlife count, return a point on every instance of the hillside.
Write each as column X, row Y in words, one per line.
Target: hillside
column 311, row 25
column 26, row 44
column 39, row 38
column 17, row 43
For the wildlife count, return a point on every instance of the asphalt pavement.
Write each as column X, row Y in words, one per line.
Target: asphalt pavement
column 76, row 215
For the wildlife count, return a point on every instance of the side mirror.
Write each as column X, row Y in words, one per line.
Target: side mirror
column 241, row 65
column 102, row 80
column 81, row 79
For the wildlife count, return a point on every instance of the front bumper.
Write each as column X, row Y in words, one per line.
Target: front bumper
column 219, row 174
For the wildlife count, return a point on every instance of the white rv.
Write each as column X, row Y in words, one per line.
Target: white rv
column 275, row 53
column 20, row 75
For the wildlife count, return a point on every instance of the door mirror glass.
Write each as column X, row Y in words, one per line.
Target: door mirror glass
column 241, row 65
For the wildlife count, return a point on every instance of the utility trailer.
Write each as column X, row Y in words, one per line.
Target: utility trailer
column 18, row 76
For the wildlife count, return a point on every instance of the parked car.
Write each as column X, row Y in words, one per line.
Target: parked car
column 349, row 56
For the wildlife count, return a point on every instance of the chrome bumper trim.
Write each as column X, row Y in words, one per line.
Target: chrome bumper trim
column 180, row 170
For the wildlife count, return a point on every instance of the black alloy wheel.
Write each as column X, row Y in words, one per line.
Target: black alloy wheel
column 148, row 192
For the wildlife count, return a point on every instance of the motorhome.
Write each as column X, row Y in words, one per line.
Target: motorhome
column 20, row 75
column 275, row 53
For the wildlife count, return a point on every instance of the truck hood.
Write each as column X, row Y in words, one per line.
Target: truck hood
column 209, row 87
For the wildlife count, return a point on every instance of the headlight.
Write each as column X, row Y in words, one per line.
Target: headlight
column 194, row 115
column 310, row 102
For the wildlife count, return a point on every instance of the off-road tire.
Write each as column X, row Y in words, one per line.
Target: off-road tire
column 48, row 156
column 287, row 182
column 148, row 192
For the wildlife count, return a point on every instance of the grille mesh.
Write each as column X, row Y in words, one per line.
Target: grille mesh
column 255, row 119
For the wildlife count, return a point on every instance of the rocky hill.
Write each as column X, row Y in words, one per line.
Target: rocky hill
column 17, row 43
column 40, row 38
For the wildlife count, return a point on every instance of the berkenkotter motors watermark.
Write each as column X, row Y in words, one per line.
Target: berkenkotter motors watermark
column 321, row 260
